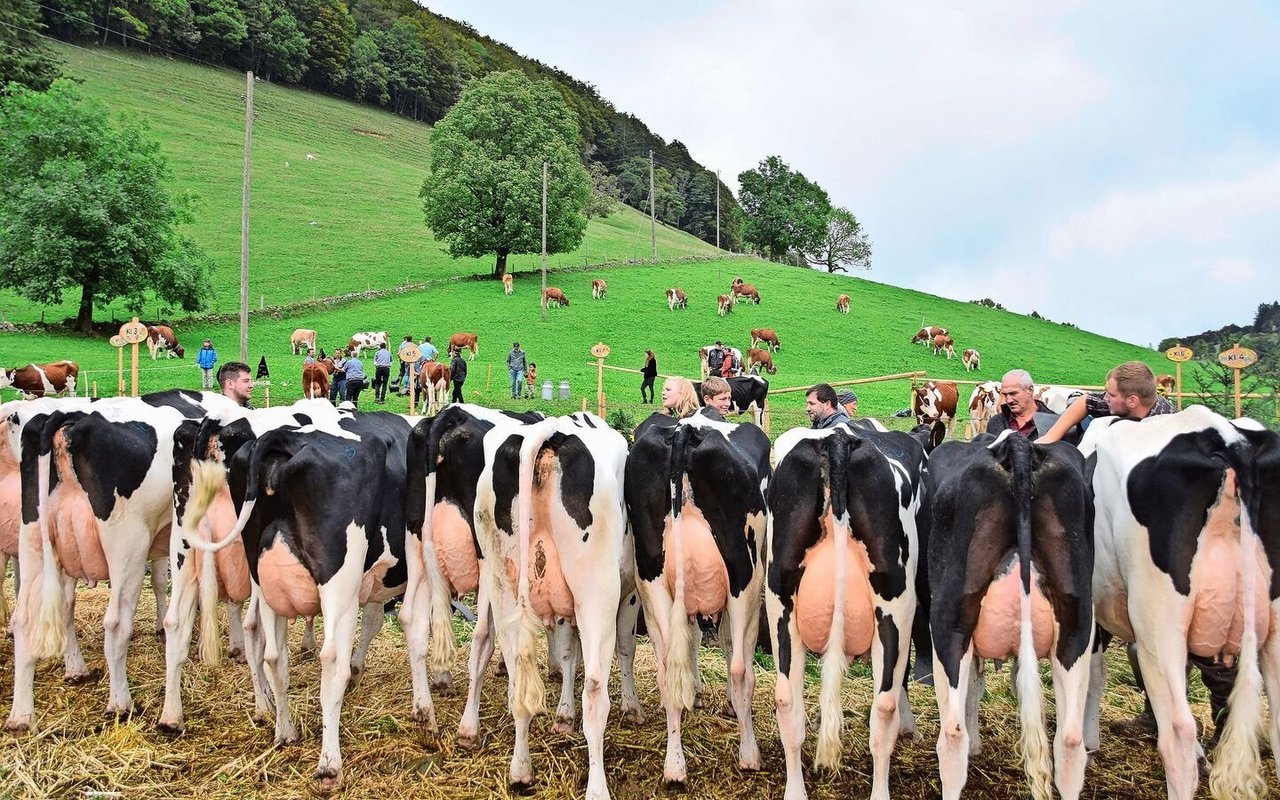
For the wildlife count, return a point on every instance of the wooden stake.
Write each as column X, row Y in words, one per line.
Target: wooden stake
column 266, row 392
column 488, row 378
column 95, row 390
column 244, row 219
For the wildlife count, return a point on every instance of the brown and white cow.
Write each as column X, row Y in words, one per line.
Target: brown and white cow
column 42, row 380
column 315, row 379
column 1165, row 384
column 508, row 283
column 598, row 289
column 676, row 298
column 972, row 360
column 553, row 295
column 747, row 292
column 368, row 340
column 944, row 344
column 724, row 304
column 1057, row 398
column 469, row 341
column 162, row 339
column 925, row 335
column 433, row 383
column 761, row 357
column 766, row 336
column 737, row 281
column 302, row 340
column 984, row 403
column 842, row 304
column 935, row 401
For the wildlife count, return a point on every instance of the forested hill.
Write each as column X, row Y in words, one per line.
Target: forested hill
column 1262, row 335
column 400, row 56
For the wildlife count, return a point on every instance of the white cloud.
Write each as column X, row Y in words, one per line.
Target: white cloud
column 1233, row 271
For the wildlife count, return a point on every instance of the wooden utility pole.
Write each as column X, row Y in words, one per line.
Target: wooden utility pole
column 244, row 219
column 544, row 241
column 653, row 223
column 717, row 209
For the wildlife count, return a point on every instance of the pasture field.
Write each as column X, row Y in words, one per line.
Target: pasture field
column 222, row 755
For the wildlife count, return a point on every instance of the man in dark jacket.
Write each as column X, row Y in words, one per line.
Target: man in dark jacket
column 516, row 366
column 1021, row 411
column 821, row 406
column 458, row 371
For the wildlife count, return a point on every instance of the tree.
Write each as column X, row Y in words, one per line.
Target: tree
column 483, row 192
column 782, row 210
column 222, row 27
column 366, row 74
column 84, row 204
column 332, row 32
column 846, row 245
column 604, row 193
column 23, row 55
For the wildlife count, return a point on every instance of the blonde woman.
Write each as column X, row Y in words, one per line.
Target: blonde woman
column 678, row 401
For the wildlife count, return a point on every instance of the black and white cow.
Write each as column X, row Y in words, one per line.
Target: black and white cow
column 747, row 393
column 1186, row 562
column 1010, row 565
column 842, row 551
column 695, row 496
column 323, row 527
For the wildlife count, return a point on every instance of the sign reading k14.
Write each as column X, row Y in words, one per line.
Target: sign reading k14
column 1237, row 357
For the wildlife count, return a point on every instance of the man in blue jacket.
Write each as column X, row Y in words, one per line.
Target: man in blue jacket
column 205, row 360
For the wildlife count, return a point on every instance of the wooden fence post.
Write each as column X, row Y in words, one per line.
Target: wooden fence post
column 1177, row 355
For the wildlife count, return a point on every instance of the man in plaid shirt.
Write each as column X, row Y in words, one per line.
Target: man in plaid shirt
column 1130, row 393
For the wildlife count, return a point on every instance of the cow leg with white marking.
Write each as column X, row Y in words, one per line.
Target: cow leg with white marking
column 625, row 624
column 744, row 627
column 1164, row 673
column 954, row 725
column 340, row 606
column 1071, row 695
column 789, row 686
column 889, row 655
column 482, row 643
column 566, row 651
column 179, row 623
column 160, row 586
column 125, row 569
column 275, row 662
column 255, row 657
column 235, row 632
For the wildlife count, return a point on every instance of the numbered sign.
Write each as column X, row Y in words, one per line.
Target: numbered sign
column 117, row 341
column 600, row 350
column 1237, row 357
column 1179, row 354
column 410, row 353
column 133, row 332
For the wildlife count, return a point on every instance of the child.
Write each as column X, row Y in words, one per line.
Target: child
column 530, row 379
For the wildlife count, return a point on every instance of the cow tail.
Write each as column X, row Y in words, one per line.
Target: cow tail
column 679, row 672
column 834, row 458
column 50, row 637
column 528, row 690
column 210, row 647
column 423, row 452
column 1033, row 740
column 207, row 479
column 1237, row 766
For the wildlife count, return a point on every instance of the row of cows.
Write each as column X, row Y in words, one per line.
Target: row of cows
column 857, row 540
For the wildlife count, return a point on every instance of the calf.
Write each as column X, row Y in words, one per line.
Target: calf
column 1010, row 558
column 984, row 403
column 469, row 341
column 842, row 304
column 935, row 401
column 944, row 344
column 972, row 360
column 747, row 394
column 369, row 340
column 746, row 291
column 315, row 379
column 766, row 336
column 1186, row 537
column 695, row 496
column 925, row 335
column 842, row 554
column 162, row 339
column 302, row 340
column 508, row 283
column 737, row 281
column 42, row 380
column 1165, row 383
column 762, row 358
column 598, row 289
column 554, row 296
column 724, row 303
column 676, row 298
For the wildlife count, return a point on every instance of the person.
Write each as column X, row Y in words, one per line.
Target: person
column 338, row 384
column 1020, row 409
column 356, row 378
column 516, row 366
column 531, row 380
column 848, row 400
column 650, row 373
column 429, row 351
column 311, row 356
column 679, row 400
column 404, row 365
column 1130, row 393
column 205, row 359
column 381, row 373
column 715, row 358
column 236, row 382
column 727, row 368
column 820, row 405
column 716, row 398
column 458, row 372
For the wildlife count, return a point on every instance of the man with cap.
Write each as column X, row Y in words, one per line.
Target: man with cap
column 205, row 360
column 715, row 358
column 516, row 366
column 848, row 400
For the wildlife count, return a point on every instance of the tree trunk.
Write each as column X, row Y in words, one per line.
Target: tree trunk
column 500, row 268
column 84, row 321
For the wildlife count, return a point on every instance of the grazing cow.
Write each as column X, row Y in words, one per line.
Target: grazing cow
column 554, row 296
column 766, row 336
column 1186, row 535
column 315, row 379
column 763, row 358
column 747, row 394
column 1165, row 383
column 724, row 304
column 1057, row 398
column 302, row 340
column 162, row 339
column 984, row 403
column 925, row 335
column 695, row 497
column 468, row 341
column 370, row 340
column 598, row 289
column 508, row 283
column 944, row 344
column 42, row 380
column 935, row 401
column 319, row 541
column 1010, row 556
column 433, row 383
column 746, row 291
column 737, row 281
column 676, row 298
column 842, row 304
column 842, row 553
column 972, row 360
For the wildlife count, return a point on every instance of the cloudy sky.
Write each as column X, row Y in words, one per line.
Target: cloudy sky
column 1115, row 165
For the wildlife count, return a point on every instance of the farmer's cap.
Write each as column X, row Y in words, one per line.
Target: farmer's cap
column 515, row 344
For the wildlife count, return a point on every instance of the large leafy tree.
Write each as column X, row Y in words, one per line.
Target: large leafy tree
column 845, row 246
column 84, row 204
column 783, row 212
column 483, row 193
column 23, row 55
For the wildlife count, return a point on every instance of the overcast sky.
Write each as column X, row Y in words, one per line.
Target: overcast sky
column 1115, row 165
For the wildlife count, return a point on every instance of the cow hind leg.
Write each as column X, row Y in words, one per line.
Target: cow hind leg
column 1164, row 673
column 566, row 650
column 744, row 627
column 335, row 672
column 179, row 623
column 658, row 606
column 308, row 647
column 628, row 613
column 74, row 670
column 477, row 663
column 371, row 619
column 789, row 696
column 235, row 632
column 1071, row 695
column 117, row 629
column 890, row 651
column 1097, row 685
column 275, row 661
column 972, row 701
column 953, row 731
column 159, row 587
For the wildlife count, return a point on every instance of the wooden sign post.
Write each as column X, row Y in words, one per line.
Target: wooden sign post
column 1177, row 355
column 601, row 351
column 1237, row 358
column 118, row 343
column 410, row 354
column 134, row 333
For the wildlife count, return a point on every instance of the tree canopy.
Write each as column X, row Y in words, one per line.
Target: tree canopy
column 84, row 204
column 846, row 244
column 23, row 55
column 783, row 212
column 483, row 193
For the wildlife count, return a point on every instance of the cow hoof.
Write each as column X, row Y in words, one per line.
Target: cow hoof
column 123, row 714
column 521, row 786
column 160, row 634
column 17, row 726
column 467, row 742
column 328, row 780
column 287, row 741
column 727, row 712
column 697, row 700
column 633, row 715
column 675, row 785
column 92, row 676
column 563, row 725
column 259, row 718
column 442, row 686
column 307, row 654
column 909, row 735
column 237, row 655
column 501, row 670
column 169, row 730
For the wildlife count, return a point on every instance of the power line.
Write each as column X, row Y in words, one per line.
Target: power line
column 123, row 35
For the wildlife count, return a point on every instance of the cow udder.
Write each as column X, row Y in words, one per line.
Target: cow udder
column 455, row 548
column 815, row 598
column 232, row 566
column 75, row 534
column 1000, row 621
column 706, row 580
column 287, row 584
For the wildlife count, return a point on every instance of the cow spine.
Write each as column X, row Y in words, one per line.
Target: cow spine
column 528, row 693
column 679, row 672
column 833, row 658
